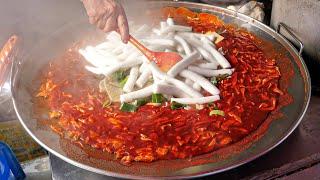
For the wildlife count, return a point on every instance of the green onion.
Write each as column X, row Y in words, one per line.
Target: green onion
column 126, row 107
column 214, row 80
column 106, row 103
column 175, row 105
column 157, row 98
column 216, row 112
column 140, row 102
column 120, row 75
column 222, row 77
column 123, row 81
column 132, row 107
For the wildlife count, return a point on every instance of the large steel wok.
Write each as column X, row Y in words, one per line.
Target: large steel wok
column 23, row 85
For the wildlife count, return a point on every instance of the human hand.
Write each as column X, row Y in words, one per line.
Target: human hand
column 108, row 15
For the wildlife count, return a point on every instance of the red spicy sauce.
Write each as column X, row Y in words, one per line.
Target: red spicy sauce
column 154, row 133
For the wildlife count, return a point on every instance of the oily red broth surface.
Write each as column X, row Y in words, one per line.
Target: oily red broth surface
column 153, row 133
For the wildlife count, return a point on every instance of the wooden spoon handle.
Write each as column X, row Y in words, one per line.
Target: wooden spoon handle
column 148, row 53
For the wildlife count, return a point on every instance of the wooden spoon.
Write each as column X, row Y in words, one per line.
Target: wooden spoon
column 165, row 60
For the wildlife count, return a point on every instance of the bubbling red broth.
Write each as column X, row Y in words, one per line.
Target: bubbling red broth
column 158, row 132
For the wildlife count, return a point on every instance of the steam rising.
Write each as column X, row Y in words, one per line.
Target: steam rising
column 136, row 10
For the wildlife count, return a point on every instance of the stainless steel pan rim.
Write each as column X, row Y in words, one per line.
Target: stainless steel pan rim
column 249, row 20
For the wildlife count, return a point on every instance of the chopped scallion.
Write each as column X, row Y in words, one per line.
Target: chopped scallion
column 126, row 107
column 120, row 75
column 157, row 98
column 175, row 105
column 222, row 77
column 123, row 81
column 141, row 102
column 214, row 81
column 217, row 112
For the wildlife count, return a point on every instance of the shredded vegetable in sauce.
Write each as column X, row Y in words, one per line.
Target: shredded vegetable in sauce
column 143, row 132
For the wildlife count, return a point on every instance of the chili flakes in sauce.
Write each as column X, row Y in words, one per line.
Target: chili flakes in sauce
column 153, row 133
